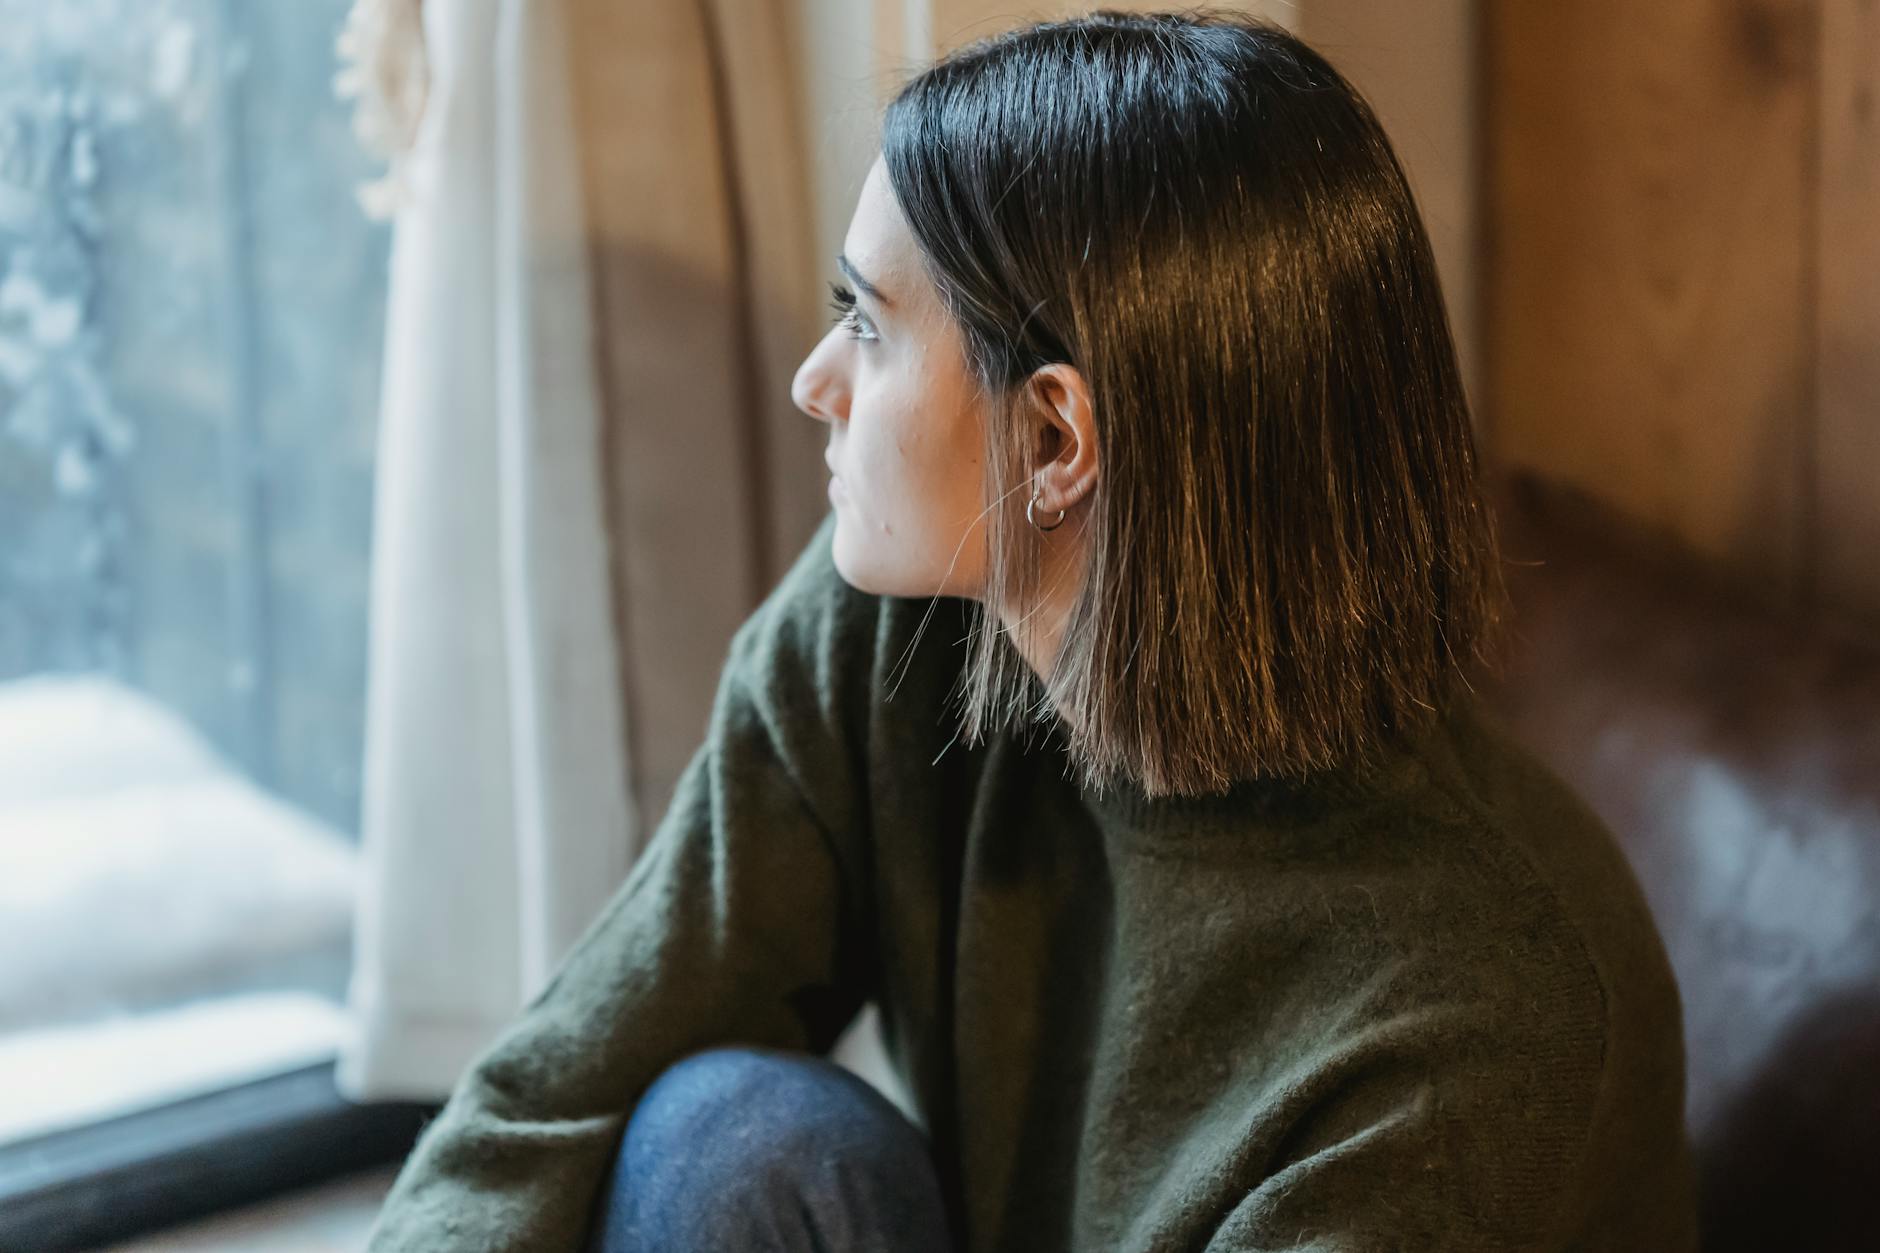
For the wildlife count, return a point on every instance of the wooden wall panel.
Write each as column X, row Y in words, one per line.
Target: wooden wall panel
column 1847, row 256
column 1649, row 263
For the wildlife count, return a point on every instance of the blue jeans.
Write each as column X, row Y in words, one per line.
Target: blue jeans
column 740, row 1149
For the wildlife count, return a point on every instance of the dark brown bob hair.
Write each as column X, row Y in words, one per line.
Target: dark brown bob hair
column 1289, row 555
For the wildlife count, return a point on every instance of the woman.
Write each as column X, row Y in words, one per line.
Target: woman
column 1112, row 736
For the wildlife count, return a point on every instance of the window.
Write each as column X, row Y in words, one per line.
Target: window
column 190, row 325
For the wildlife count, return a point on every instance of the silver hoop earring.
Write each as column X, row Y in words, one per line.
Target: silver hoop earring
column 1037, row 494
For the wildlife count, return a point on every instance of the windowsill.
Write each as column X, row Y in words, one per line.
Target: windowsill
column 324, row 1218
column 119, row 1178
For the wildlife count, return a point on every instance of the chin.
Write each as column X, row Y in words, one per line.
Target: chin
column 879, row 564
column 865, row 576
column 845, row 564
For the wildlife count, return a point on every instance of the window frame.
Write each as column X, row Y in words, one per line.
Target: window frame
column 124, row 1176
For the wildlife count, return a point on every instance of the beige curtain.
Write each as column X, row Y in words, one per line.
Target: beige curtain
column 699, row 215
column 590, row 471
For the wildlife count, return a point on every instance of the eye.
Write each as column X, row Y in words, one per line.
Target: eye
column 848, row 316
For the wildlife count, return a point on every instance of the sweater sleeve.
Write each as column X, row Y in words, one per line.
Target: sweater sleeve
column 738, row 923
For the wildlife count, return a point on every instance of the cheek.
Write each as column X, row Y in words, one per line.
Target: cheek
column 884, row 446
column 912, row 455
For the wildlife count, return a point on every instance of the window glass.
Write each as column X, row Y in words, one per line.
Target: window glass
column 190, row 321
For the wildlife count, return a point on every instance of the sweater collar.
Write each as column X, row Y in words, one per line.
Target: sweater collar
column 1124, row 806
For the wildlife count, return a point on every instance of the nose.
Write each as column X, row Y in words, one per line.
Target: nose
column 819, row 388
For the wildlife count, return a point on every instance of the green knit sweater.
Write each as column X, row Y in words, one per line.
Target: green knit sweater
column 1422, row 1007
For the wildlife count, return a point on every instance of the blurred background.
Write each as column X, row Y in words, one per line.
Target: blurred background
column 395, row 427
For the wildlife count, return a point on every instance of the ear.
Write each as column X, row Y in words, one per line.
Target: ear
column 1065, row 451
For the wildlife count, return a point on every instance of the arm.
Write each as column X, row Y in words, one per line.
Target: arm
column 738, row 922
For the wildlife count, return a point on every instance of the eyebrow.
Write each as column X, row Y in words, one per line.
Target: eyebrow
column 855, row 276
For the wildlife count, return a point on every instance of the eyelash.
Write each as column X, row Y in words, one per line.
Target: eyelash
column 847, row 315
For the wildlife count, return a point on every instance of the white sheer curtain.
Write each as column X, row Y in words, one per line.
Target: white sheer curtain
column 590, row 469
column 496, row 814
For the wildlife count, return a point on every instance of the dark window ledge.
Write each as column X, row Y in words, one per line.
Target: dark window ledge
column 124, row 1176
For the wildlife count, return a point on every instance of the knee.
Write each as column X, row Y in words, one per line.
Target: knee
column 732, row 1144
column 744, row 1112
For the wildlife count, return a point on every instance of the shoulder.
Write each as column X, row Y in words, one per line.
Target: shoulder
column 1552, row 852
column 1451, row 996
column 1537, row 887
column 1590, row 982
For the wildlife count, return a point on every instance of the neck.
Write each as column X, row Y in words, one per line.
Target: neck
column 1038, row 632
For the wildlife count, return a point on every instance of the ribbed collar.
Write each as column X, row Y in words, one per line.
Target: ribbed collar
column 1125, row 808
